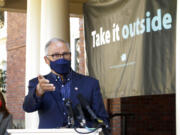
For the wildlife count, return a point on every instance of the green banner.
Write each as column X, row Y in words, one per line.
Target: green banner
column 130, row 46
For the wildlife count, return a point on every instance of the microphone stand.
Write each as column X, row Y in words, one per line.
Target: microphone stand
column 70, row 122
column 70, row 117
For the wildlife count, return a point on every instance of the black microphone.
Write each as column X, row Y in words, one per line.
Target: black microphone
column 100, row 122
column 80, row 115
column 85, row 105
column 70, row 113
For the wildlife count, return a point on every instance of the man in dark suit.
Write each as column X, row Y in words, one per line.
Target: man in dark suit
column 47, row 94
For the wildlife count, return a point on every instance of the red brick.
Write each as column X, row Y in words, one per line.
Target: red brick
column 16, row 52
column 81, row 44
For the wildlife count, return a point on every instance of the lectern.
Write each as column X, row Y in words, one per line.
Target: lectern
column 62, row 131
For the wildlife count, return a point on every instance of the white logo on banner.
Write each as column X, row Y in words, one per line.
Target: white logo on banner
column 123, row 57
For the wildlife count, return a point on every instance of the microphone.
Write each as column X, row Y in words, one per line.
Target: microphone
column 85, row 105
column 70, row 113
column 100, row 122
column 80, row 115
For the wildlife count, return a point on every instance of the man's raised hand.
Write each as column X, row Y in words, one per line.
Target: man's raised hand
column 43, row 86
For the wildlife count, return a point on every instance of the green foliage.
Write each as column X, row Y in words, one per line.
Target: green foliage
column 1, row 19
column 2, row 80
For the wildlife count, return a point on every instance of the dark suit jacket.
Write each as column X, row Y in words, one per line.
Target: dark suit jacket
column 49, row 106
column 5, row 123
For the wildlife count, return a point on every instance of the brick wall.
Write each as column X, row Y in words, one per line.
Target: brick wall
column 113, row 106
column 16, row 39
column 81, row 45
column 145, row 115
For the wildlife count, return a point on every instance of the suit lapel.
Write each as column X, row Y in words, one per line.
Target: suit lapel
column 74, row 88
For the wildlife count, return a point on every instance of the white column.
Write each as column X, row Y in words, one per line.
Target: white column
column 178, row 69
column 54, row 23
column 32, row 52
column 74, row 34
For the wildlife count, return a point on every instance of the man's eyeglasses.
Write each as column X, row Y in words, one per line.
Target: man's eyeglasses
column 58, row 55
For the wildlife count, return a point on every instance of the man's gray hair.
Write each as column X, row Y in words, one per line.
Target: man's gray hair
column 53, row 40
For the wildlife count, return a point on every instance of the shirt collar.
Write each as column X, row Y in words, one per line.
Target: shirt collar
column 66, row 77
